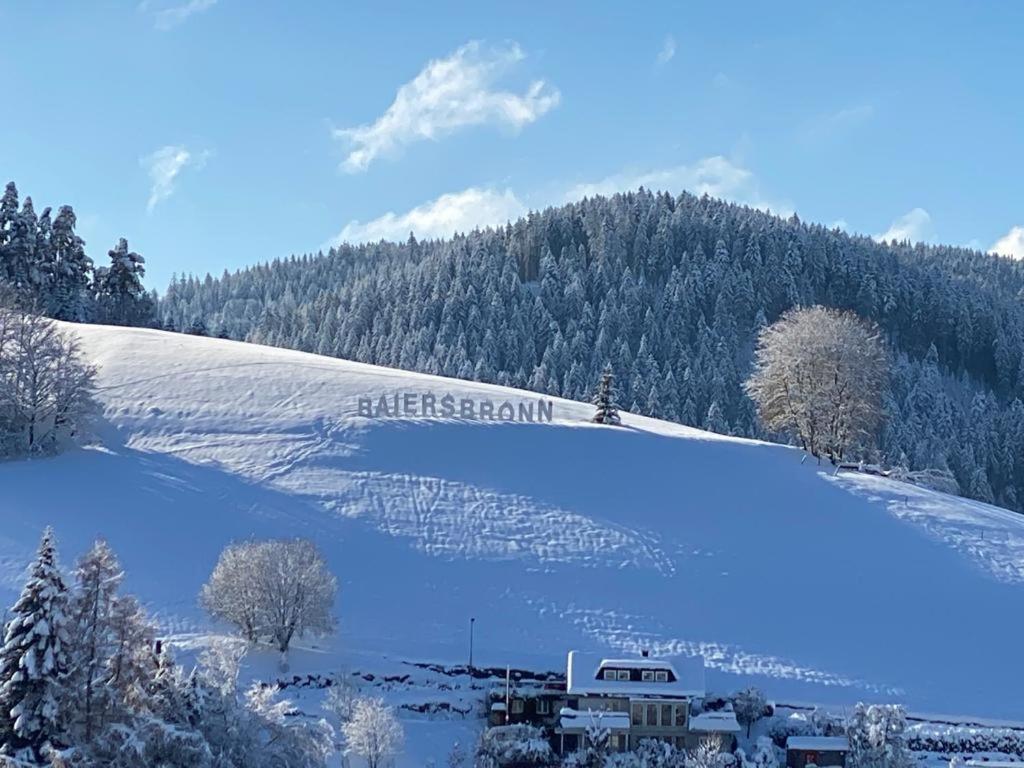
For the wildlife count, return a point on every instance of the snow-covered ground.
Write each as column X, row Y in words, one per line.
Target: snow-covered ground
column 553, row 536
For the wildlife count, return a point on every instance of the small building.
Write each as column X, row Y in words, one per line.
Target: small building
column 721, row 725
column 822, row 751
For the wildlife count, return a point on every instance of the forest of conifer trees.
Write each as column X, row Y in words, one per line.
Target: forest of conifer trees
column 672, row 292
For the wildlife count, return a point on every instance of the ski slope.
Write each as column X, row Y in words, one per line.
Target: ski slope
column 553, row 536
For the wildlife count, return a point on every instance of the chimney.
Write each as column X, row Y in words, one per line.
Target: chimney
column 645, row 653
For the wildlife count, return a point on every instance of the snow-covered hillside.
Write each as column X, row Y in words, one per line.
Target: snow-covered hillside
column 553, row 536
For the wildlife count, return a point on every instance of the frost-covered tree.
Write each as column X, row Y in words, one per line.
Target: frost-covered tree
column 877, row 735
column 92, row 614
column 749, row 705
column 272, row 590
column 46, row 388
column 373, row 733
column 604, row 399
column 820, row 373
column 34, row 661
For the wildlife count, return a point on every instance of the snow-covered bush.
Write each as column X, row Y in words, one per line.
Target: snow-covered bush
column 373, row 733
column 272, row 590
column 514, row 745
column 877, row 735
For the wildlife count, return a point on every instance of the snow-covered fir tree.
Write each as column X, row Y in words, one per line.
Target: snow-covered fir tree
column 34, row 661
column 45, row 268
column 604, row 399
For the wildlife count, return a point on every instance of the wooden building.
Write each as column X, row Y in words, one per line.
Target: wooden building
column 822, row 751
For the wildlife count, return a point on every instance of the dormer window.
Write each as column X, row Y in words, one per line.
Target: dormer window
column 647, row 675
column 661, row 676
column 623, row 674
column 609, row 674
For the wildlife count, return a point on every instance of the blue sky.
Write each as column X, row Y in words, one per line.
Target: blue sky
column 218, row 133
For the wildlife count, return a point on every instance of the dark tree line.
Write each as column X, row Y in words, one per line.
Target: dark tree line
column 672, row 292
column 44, row 268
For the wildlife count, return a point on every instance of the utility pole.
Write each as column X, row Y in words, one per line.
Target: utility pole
column 472, row 621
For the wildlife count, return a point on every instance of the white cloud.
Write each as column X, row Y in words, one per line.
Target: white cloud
column 668, row 50
column 915, row 226
column 450, row 213
column 449, row 94
column 716, row 176
column 169, row 16
column 1011, row 244
column 164, row 167
column 484, row 206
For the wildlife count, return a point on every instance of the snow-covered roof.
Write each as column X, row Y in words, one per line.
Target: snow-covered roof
column 819, row 743
column 995, row 763
column 498, row 706
column 642, row 663
column 715, row 722
column 569, row 719
column 582, row 677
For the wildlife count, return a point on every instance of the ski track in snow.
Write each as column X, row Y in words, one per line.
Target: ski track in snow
column 554, row 536
column 632, row 634
column 456, row 520
column 992, row 538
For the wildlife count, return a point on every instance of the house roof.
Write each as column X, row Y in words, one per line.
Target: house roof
column 582, row 677
column 574, row 719
column 715, row 722
column 996, row 763
column 819, row 743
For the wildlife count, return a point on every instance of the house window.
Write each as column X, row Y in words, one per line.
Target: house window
column 543, row 707
column 661, row 676
column 647, row 676
column 680, row 715
column 637, row 713
column 666, row 714
column 652, row 714
column 609, row 674
column 623, row 674
column 517, row 706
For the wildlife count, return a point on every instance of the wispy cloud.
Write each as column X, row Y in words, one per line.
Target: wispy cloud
column 914, row 226
column 668, row 50
column 170, row 16
column 450, row 213
column 164, row 166
column 716, row 176
column 449, row 94
column 836, row 123
column 1011, row 244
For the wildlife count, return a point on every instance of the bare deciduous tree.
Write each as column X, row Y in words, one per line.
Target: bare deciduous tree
column 46, row 389
column 373, row 733
column 272, row 590
column 820, row 374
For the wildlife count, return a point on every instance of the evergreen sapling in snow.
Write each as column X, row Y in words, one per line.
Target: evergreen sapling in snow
column 607, row 408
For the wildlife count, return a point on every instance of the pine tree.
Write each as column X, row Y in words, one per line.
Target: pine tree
column 98, row 577
column 607, row 409
column 120, row 297
column 34, row 660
